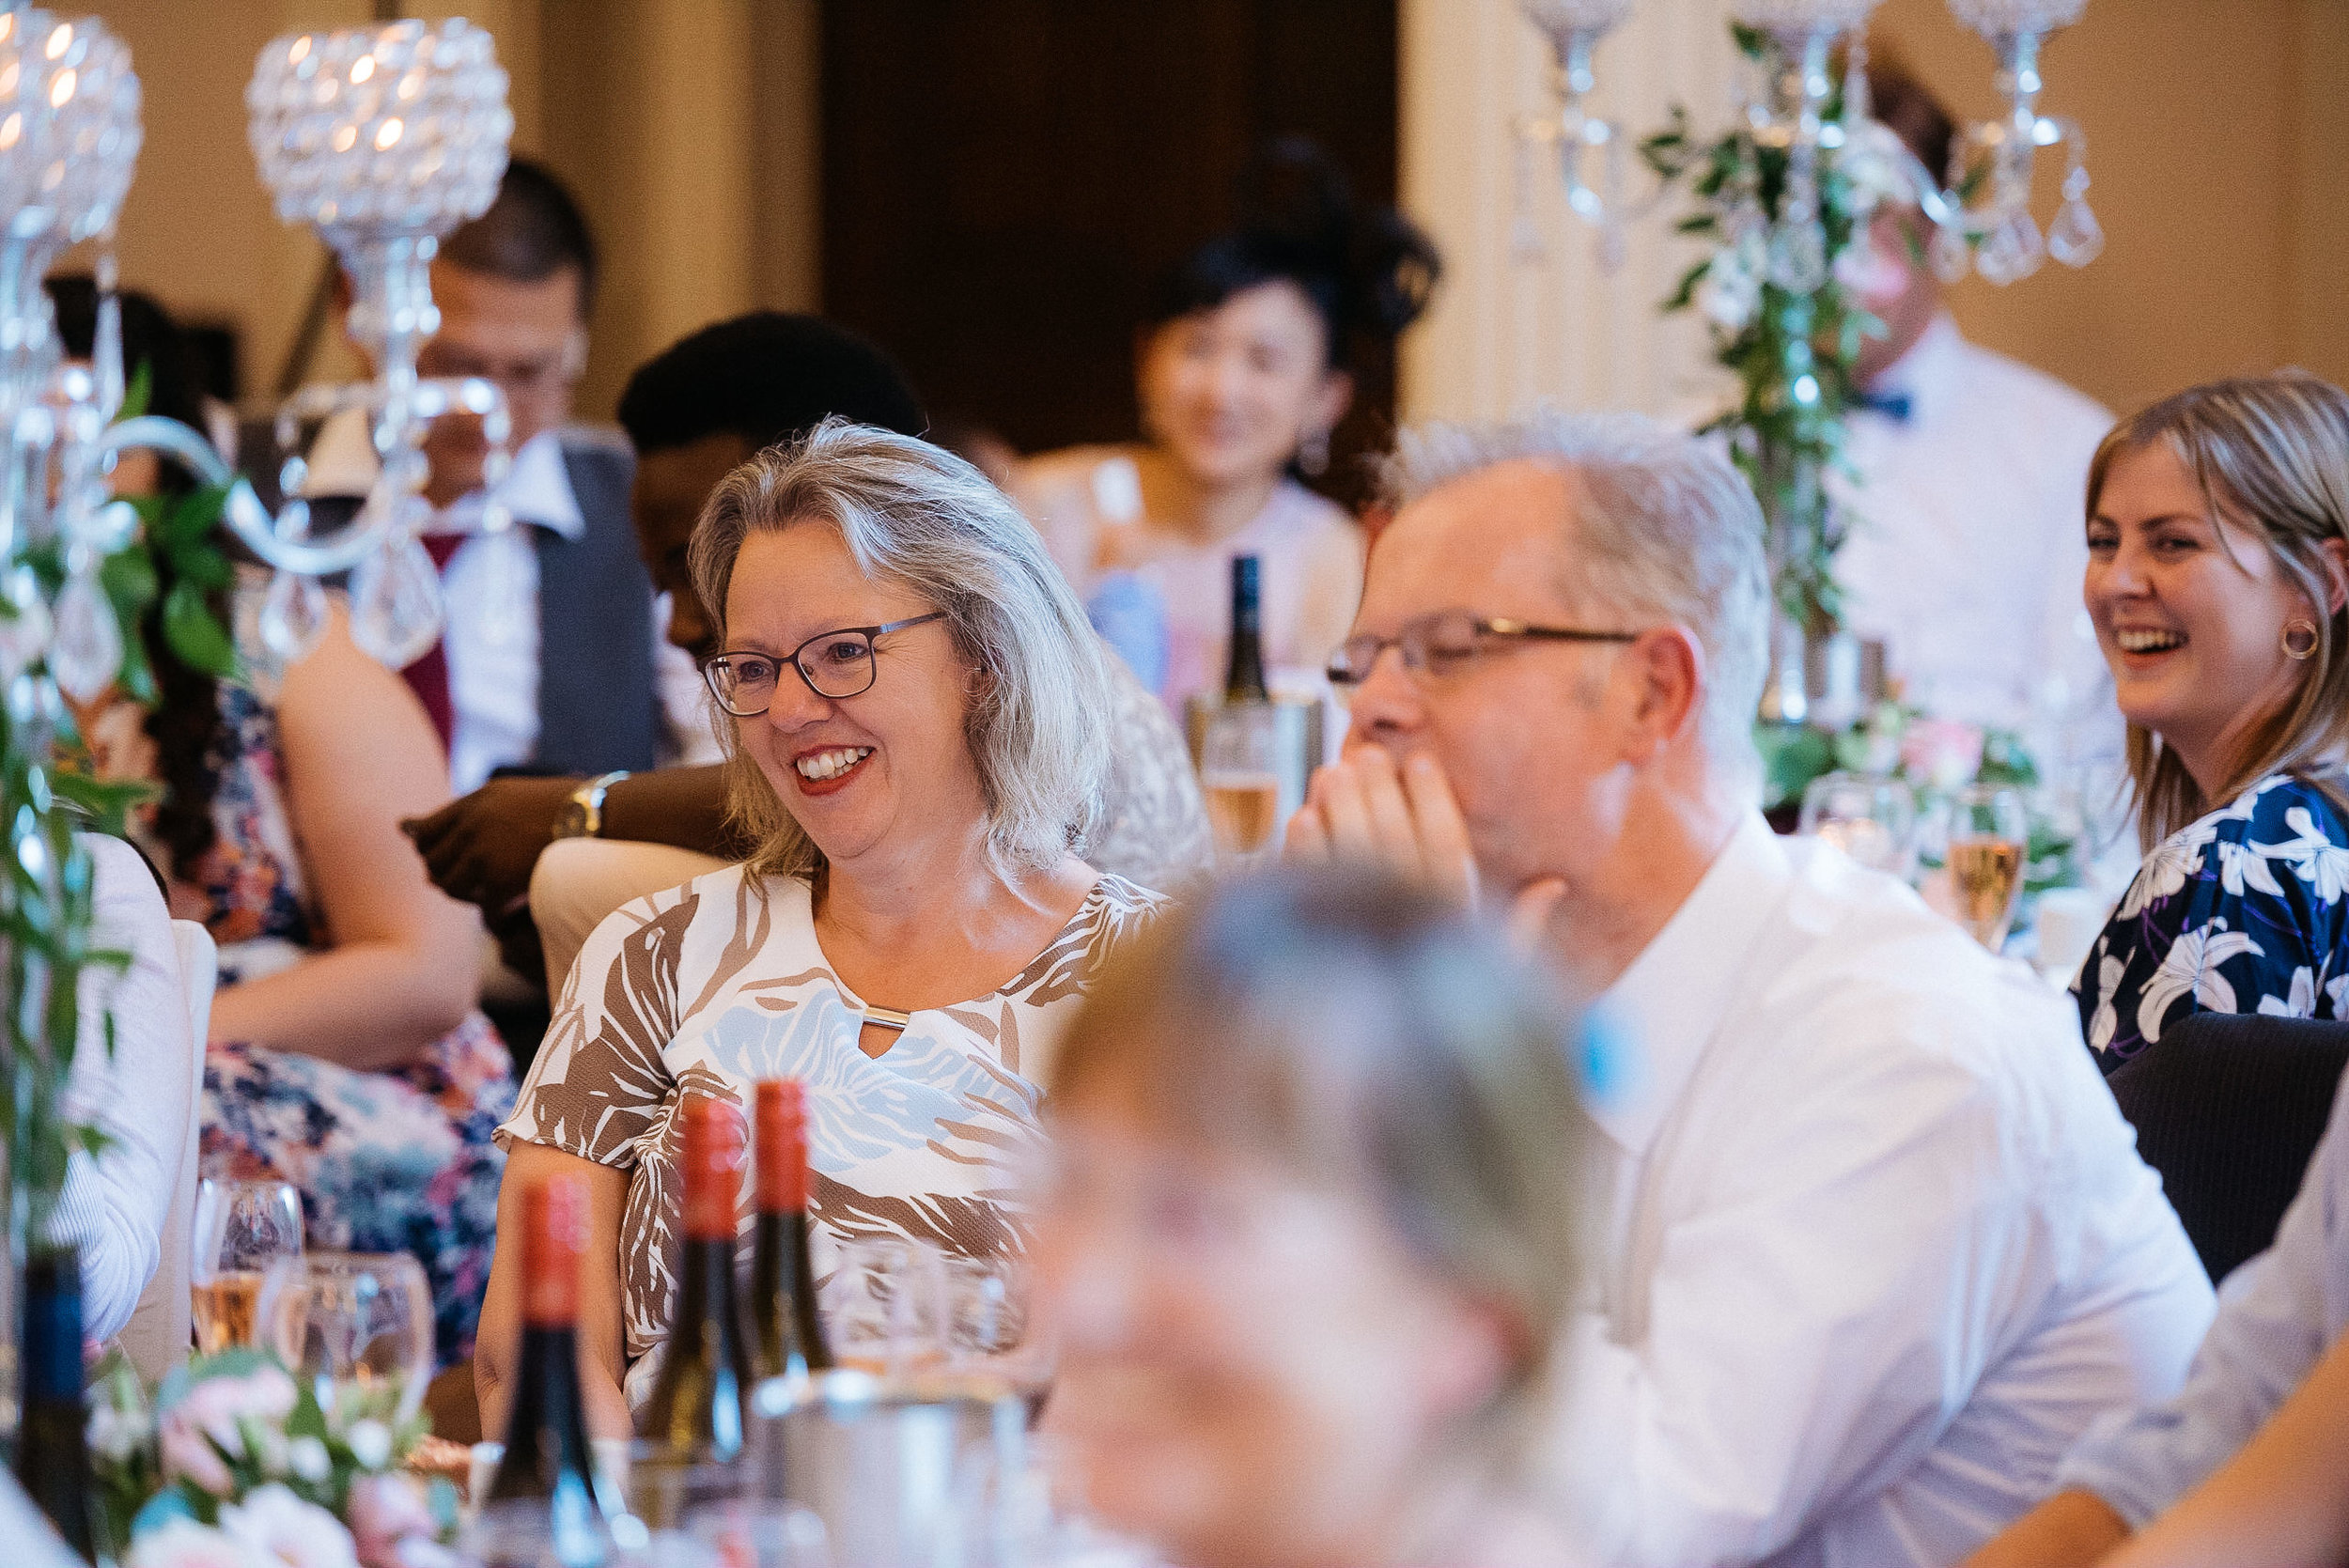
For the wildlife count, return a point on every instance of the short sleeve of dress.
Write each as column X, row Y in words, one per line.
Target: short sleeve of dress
column 2242, row 911
column 600, row 1078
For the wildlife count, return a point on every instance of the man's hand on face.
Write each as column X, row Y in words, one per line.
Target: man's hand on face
column 480, row 848
column 1364, row 807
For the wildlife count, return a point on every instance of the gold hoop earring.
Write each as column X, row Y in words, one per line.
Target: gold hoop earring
column 2300, row 639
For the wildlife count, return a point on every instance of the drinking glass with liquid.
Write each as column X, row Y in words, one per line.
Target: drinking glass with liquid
column 241, row 1229
column 1240, row 775
column 1869, row 817
column 1989, row 836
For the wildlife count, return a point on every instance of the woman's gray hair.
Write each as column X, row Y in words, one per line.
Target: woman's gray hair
column 1664, row 528
column 912, row 514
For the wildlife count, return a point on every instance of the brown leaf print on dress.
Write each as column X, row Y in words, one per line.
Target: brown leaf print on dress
column 958, row 1226
column 648, row 1216
column 594, row 1095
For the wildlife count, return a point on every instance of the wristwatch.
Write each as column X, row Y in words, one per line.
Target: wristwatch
column 584, row 816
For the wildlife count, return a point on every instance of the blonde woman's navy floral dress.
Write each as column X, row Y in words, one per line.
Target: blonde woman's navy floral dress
column 393, row 1161
column 2245, row 910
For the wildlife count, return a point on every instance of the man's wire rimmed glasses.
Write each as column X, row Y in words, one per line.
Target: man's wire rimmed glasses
column 1440, row 644
column 834, row 665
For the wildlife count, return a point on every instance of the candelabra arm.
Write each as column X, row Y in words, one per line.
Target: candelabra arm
column 242, row 512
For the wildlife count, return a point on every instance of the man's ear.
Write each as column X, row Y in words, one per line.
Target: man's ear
column 1666, row 667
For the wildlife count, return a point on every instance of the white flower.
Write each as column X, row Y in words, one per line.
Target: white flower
column 2191, row 965
column 2337, row 990
column 2302, row 1001
column 1729, row 292
column 2315, row 860
column 306, row 1456
column 182, row 1543
column 114, row 1432
column 2241, row 865
column 2164, row 871
column 2106, row 1021
column 280, row 1528
column 370, row 1443
column 1871, row 160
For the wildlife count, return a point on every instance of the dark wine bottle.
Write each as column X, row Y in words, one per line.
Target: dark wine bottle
column 52, row 1445
column 695, row 1414
column 1243, row 676
column 546, row 1504
column 788, row 1334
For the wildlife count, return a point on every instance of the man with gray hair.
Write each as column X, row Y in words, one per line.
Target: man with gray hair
column 1871, row 1242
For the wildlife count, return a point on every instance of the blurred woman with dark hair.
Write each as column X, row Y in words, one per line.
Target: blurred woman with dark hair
column 1309, row 1220
column 1242, row 374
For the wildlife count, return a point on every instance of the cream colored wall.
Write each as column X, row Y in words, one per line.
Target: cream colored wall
column 2218, row 138
column 688, row 128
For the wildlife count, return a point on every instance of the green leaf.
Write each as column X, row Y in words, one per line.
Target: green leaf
column 141, row 389
column 1752, row 42
column 1686, row 293
column 195, row 636
column 188, row 518
column 109, row 802
column 1699, row 223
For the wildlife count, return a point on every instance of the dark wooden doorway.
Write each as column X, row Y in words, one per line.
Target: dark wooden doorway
column 1004, row 179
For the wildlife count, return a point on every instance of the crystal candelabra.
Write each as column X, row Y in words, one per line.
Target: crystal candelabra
column 1789, row 110
column 383, row 139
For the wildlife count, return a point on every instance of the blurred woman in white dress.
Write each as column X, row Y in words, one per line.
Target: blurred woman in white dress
column 1241, row 374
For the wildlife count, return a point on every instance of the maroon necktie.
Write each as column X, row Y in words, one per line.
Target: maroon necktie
column 428, row 676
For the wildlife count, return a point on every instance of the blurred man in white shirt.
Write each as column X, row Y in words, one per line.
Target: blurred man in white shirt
column 1875, row 1243
column 1968, row 529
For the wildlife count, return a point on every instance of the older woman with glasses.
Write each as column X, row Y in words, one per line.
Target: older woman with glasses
column 917, row 741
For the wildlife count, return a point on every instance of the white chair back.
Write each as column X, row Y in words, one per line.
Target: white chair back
column 158, row 1335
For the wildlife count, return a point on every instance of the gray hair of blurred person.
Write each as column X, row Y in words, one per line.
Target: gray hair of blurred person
column 913, row 514
column 1665, row 529
column 1367, row 1037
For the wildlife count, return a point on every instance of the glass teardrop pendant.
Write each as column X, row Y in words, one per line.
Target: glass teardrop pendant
column 2013, row 250
column 395, row 603
column 293, row 618
column 85, row 652
column 2075, row 237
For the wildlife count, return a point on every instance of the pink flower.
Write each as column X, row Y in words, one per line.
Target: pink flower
column 385, row 1511
column 209, row 1415
column 1941, row 754
column 182, row 1542
column 282, row 1530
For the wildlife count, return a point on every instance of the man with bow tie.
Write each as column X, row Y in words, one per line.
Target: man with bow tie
column 1966, row 540
column 547, row 660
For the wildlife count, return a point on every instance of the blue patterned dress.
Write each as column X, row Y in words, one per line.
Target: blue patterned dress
column 393, row 1161
column 2245, row 911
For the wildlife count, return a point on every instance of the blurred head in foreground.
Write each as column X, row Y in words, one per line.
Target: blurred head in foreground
column 1309, row 1222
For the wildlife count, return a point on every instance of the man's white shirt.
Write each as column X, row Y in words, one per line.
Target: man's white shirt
column 1967, row 542
column 1878, row 1244
column 490, row 593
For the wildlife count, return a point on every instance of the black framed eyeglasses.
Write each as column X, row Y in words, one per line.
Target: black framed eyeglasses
column 834, row 665
column 1440, row 644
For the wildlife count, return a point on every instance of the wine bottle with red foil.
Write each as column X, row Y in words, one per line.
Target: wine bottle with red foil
column 787, row 1333
column 546, row 1506
column 695, row 1415
column 52, row 1448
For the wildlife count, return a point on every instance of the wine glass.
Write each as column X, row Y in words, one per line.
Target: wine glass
column 1240, row 773
column 1988, row 836
column 241, row 1228
column 1867, row 817
column 993, row 1332
column 357, row 1326
column 886, row 1307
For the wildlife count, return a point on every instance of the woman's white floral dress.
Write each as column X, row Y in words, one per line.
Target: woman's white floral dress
column 2245, row 911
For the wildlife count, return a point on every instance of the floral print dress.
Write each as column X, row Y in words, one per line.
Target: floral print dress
column 708, row 987
column 393, row 1161
column 2245, row 911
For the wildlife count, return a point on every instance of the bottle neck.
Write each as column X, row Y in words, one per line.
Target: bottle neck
column 52, row 1327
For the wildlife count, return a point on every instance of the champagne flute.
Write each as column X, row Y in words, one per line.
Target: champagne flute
column 356, row 1326
column 1240, row 773
column 1989, row 836
column 1869, row 817
column 241, row 1229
